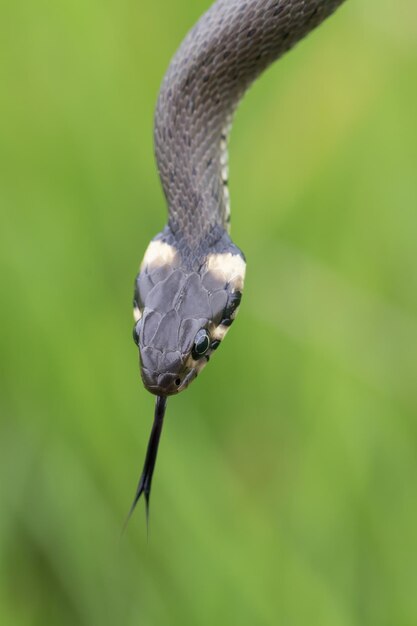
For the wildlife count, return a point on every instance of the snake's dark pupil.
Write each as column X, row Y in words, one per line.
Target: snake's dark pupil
column 201, row 344
column 136, row 333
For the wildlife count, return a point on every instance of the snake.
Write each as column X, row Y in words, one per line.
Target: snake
column 189, row 286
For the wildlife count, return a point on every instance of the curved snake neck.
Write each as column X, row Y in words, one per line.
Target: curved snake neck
column 232, row 43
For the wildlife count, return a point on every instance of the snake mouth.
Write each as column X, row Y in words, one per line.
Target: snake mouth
column 166, row 384
column 158, row 391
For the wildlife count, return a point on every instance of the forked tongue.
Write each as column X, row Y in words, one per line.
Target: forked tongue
column 145, row 481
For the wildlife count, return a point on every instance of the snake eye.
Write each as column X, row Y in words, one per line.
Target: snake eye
column 136, row 330
column 201, row 344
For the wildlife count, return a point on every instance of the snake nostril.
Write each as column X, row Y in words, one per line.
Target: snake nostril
column 178, row 381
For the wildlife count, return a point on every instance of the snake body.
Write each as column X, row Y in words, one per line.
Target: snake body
column 190, row 283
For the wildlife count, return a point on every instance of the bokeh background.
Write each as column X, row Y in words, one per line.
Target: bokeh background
column 285, row 489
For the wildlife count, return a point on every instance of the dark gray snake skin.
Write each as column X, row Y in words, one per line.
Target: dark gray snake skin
column 190, row 283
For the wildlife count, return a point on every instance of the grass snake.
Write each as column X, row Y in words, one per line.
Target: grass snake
column 190, row 283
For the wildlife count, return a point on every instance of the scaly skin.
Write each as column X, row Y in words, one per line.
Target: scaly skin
column 191, row 280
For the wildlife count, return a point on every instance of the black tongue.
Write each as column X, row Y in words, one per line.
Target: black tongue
column 145, row 481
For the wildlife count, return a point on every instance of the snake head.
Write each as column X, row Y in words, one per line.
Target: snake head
column 182, row 315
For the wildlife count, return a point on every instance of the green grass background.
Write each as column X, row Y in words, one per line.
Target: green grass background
column 285, row 489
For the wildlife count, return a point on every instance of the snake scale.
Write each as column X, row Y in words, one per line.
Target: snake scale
column 190, row 283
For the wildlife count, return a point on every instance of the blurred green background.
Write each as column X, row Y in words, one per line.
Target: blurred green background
column 285, row 489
